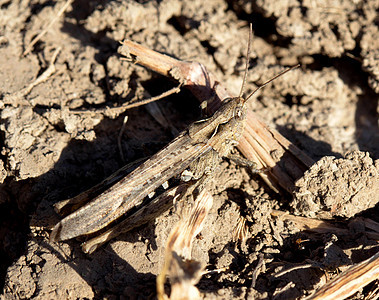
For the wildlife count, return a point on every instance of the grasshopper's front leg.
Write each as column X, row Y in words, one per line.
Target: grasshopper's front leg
column 244, row 162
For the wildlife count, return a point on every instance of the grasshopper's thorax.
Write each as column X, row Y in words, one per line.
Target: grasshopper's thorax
column 224, row 128
column 229, row 132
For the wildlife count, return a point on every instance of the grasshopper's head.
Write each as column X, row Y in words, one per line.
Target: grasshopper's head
column 232, row 108
column 230, row 119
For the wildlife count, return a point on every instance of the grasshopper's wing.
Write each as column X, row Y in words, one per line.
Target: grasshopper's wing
column 131, row 190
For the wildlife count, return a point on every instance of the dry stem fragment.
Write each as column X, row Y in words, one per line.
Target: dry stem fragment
column 183, row 272
column 320, row 226
column 350, row 281
column 120, row 137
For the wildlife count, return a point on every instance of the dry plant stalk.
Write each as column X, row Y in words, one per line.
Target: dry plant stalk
column 310, row 224
column 261, row 144
column 350, row 281
column 321, row 226
column 183, row 272
column 354, row 278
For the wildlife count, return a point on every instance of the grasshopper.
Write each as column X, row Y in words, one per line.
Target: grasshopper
column 196, row 151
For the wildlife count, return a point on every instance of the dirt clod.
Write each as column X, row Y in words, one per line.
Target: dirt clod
column 338, row 187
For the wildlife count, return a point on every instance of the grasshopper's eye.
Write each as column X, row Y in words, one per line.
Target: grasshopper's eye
column 238, row 112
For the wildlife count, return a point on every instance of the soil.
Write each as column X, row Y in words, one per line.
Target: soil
column 61, row 137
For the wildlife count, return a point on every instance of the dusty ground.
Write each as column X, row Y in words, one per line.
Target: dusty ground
column 60, row 139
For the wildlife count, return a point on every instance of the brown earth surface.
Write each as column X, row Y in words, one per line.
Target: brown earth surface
column 61, row 137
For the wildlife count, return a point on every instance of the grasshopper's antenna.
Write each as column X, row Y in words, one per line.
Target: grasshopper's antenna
column 247, row 60
column 268, row 81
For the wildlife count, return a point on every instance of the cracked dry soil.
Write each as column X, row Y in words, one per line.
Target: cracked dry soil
column 62, row 138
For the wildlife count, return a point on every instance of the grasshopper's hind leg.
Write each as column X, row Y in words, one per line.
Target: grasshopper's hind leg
column 143, row 215
column 66, row 207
